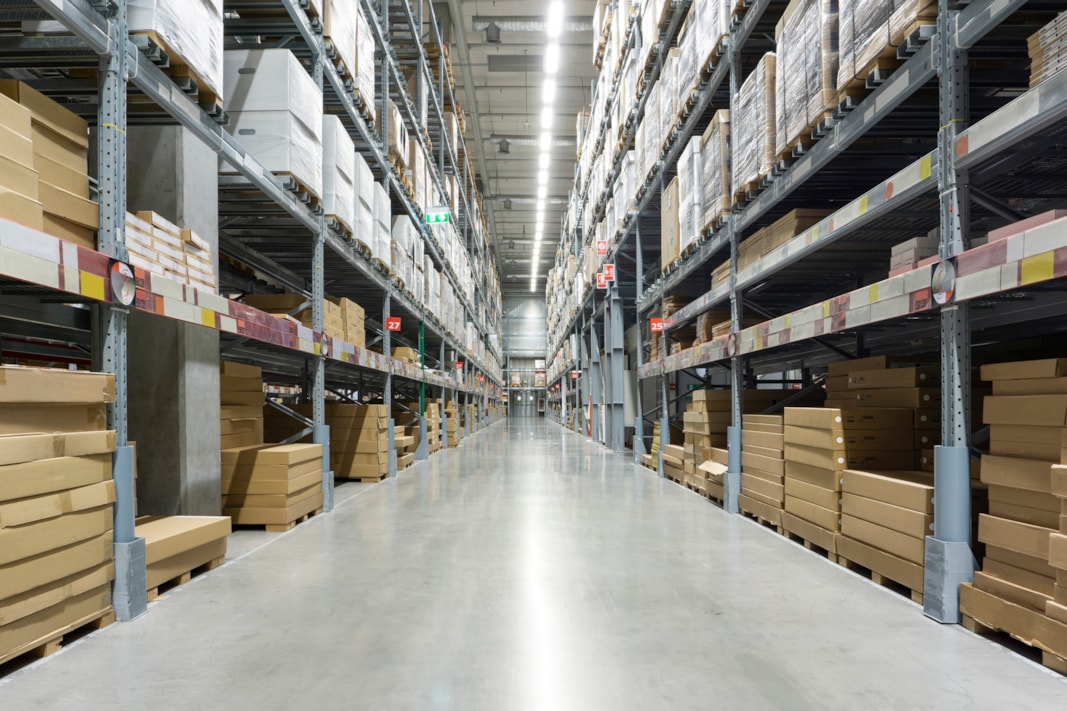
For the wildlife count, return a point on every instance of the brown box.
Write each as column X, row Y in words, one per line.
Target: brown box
column 810, row 532
column 763, row 464
column 301, row 504
column 1023, row 370
column 897, row 397
column 850, row 418
column 897, row 569
column 55, row 386
column 37, row 538
column 812, row 513
column 1038, row 566
column 840, row 460
column 670, row 226
column 906, row 489
column 29, row 573
column 33, row 419
column 1033, row 410
column 1011, row 591
column 823, row 498
column 18, row 449
column 1029, row 474
column 1014, row 536
column 48, row 476
column 907, row 521
column 32, row 631
column 48, row 113
column 899, row 544
column 846, row 367
column 766, row 440
column 816, row 476
column 894, row 378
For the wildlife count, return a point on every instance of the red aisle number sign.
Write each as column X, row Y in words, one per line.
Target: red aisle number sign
column 459, row 365
column 601, row 248
column 609, row 272
column 601, row 280
column 574, row 375
column 392, row 323
column 656, row 324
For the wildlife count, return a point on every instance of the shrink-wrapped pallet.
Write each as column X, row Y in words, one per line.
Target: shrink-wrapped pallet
column 806, row 39
column 753, row 125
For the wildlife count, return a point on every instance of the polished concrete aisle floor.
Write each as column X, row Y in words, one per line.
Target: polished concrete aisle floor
column 530, row 569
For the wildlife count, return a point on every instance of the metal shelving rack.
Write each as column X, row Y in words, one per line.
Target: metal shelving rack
column 952, row 172
column 37, row 264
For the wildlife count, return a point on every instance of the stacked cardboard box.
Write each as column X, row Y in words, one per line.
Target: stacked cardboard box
column 766, row 240
column 177, row 545
column 913, row 253
column 885, row 519
column 763, row 467
column 452, row 429
column 1048, row 50
column 288, row 306
column 820, row 443
column 670, row 225
column 159, row 246
column 1027, row 426
column 674, row 462
column 58, row 171
column 869, row 30
column 242, row 399
column 359, row 440
column 353, row 319
column 752, row 127
column 1057, row 607
column 275, row 109
column 715, row 161
column 271, row 485
column 56, row 496
column 717, row 460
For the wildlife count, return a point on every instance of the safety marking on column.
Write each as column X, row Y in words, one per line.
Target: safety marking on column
column 926, row 164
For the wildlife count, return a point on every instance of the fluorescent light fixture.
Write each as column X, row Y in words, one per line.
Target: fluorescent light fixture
column 541, row 207
column 542, row 192
column 546, row 158
column 542, row 177
column 555, row 19
column 546, row 140
column 548, row 94
column 552, row 58
column 547, row 117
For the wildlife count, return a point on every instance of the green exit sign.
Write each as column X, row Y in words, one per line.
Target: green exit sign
column 436, row 215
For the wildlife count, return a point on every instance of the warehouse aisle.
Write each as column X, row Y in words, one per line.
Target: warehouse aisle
column 530, row 569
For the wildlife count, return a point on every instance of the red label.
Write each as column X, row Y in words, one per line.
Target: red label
column 392, row 323
column 656, row 325
column 673, row 386
column 601, row 280
column 601, row 247
column 609, row 272
column 574, row 375
column 459, row 365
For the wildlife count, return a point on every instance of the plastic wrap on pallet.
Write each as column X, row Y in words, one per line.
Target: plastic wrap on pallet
column 383, row 218
column 338, row 172
column 715, row 161
column 709, row 25
column 282, row 143
column 806, row 68
column 270, row 80
column 365, row 66
column 668, row 94
column 863, row 35
column 191, row 29
column 339, row 27
column 690, row 194
column 753, row 119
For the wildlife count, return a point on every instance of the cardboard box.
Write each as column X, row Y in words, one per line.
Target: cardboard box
column 894, row 378
column 70, row 207
column 30, row 573
column 1038, row 566
column 823, row 497
column 37, row 538
column 901, row 545
column 49, row 476
column 901, row 571
column 18, row 178
column 169, row 536
column 897, row 397
column 839, row 460
column 809, row 532
column 764, row 464
column 35, row 419
column 18, row 449
column 816, row 515
column 1014, row 536
column 896, row 518
column 670, row 225
column 1028, row 474
column 1033, row 410
column 1020, row 576
column 766, row 440
column 816, row 476
column 850, row 441
column 298, row 506
column 849, row 419
column 1011, row 591
column 1031, row 386
column 906, row 489
column 48, row 113
column 34, row 630
column 52, row 385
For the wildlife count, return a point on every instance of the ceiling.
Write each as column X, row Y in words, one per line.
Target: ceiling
column 501, row 86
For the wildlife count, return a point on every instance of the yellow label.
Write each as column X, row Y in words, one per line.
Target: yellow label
column 872, row 294
column 788, row 320
column 207, row 317
column 864, row 202
column 1037, row 268
column 825, row 309
column 925, row 167
column 318, row 349
column 92, row 286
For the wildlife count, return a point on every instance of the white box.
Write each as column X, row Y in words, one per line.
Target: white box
column 192, row 29
column 338, row 171
column 283, row 143
column 271, row 80
column 339, row 26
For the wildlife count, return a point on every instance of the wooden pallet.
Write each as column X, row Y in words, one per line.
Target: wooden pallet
column 300, row 189
column 880, row 579
column 366, row 479
column 796, row 538
column 188, row 79
column 54, row 641
column 363, row 105
column 283, row 527
column 154, row 593
column 776, row 527
column 1013, row 640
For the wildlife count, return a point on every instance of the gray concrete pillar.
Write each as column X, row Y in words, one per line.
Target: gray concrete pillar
column 174, row 367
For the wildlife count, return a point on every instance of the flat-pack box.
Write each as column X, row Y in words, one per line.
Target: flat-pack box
column 825, row 519
column 894, row 378
column 899, row 544
column 1014, row 536
column 29, row 573
column 821, row 497
column 893, row 567
column 77, row 525
column 1033, row 410
column 47, row 476
column 917, row 524
column 1023, row 370
column 48, row 418
column 17, row 449
column 54, row 385
column 906, row 489
column 850, row 418
column 1018, row 473
column 670, row 225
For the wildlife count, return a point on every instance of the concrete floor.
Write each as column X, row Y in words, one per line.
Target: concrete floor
column 530, row 569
